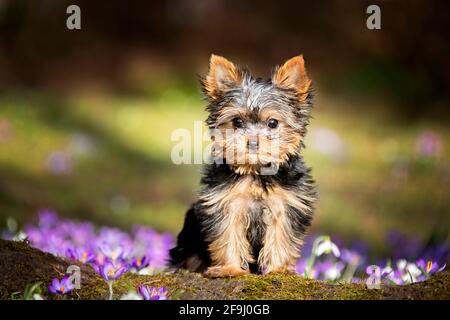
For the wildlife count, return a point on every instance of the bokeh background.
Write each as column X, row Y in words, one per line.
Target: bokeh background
column 86, row 116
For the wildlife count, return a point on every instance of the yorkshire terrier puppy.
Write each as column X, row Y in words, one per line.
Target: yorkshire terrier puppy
column 257, row 195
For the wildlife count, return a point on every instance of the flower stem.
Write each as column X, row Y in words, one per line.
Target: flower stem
column 110, row 290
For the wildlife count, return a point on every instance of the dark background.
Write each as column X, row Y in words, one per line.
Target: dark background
column 407, row 60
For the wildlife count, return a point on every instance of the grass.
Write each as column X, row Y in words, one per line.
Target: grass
column 124, row 174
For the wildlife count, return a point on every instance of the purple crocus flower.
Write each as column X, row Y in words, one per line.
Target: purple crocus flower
column 110, row 271
column 429, row 267
column 61, row 287
column 99, row 260
column 153, row 293
column 81, row 254
column 114, row 253
column 140, row 263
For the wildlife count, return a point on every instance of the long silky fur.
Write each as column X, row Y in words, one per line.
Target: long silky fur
column 279, row 207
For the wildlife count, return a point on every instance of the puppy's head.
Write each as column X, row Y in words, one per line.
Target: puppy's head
column 257, row 123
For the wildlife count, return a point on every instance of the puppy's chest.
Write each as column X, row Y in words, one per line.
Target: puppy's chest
column 247, row 198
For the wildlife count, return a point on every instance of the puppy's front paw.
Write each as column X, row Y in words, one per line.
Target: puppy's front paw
column 281, row 271
column 225, row 271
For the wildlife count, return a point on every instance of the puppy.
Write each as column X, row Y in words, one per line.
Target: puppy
column 257, row 196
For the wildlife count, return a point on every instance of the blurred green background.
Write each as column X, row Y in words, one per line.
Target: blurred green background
column 86, row 116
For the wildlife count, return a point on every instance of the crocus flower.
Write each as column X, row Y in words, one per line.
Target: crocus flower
column 139, row 263
column 110, row 271
column 406, row 272
column 61, row 287
column 429, row 267
column 153, row 293
column 83, row 255
column 99, row 260
column 113, row 252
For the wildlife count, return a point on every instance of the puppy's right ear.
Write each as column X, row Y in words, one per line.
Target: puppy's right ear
column 222, row 75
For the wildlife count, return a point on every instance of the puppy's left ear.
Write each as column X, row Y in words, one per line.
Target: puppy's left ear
column 223, row 74
column 292, row 75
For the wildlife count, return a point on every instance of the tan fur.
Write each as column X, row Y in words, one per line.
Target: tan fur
column 220, row 72
column 292, row 74
column 225, row 271
column 231, row 250
column 281, row 249
column 233, row 144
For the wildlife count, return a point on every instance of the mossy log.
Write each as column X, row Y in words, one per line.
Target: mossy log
column 22, row 265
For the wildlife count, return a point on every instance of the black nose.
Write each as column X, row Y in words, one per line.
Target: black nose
column 252, row 144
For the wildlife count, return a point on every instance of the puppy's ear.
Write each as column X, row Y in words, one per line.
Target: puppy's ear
column 222, row 75
column 292, row 75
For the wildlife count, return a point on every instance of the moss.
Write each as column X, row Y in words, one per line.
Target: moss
column 21, row 265
column 293, row 287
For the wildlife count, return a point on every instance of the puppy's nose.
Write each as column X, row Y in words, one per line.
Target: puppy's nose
column 252, row 144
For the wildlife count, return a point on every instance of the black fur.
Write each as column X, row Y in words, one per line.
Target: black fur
column 191, row 242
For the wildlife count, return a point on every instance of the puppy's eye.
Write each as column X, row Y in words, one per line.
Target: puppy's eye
column 272, row 123
column 238, row 122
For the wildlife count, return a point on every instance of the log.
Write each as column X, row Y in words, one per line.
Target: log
column 22, row 265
